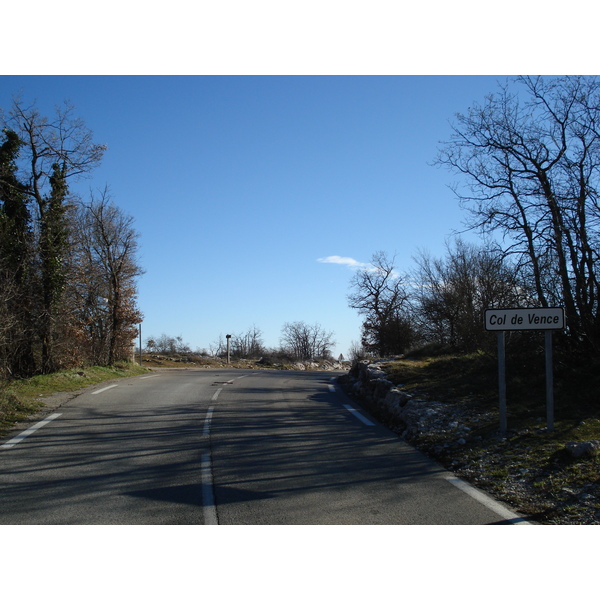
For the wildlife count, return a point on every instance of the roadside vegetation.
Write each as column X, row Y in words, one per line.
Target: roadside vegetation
column 301, row 343
column 530, row 467
column 68, row 266
column 22, row 398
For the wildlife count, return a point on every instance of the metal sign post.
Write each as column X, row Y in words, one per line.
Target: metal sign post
column 525, row 319
column 502, row 382
column 549, row 383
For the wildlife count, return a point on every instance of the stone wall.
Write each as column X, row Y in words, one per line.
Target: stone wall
column 410, row 415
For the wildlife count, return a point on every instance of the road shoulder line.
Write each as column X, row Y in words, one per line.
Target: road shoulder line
column 358, row 415
column 29, row 431
column 108, row 387
column 505, row 513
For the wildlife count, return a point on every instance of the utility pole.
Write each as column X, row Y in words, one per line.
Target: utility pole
column 228, row 336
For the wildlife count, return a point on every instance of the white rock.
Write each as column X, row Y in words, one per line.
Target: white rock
column 581, row 449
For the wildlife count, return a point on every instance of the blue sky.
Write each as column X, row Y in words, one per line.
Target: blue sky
column 240, row 186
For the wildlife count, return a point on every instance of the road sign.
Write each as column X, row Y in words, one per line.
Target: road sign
column 522, row 319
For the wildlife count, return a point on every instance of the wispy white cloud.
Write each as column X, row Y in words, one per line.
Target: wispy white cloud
column 343, row 260
column 351, row 263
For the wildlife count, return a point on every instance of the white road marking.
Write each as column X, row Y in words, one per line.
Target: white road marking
column 148, row 376
column 488, row 502
column 207, row 421
column 354, row 412
column 106, row 388
column 29, row 431
column 208, row 498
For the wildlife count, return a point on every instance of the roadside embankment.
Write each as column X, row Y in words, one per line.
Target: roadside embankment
column 549, row 476
column 409, row 414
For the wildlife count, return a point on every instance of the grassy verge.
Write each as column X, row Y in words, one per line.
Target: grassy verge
column 19, row 399
column 473, row 378
column 528, row 468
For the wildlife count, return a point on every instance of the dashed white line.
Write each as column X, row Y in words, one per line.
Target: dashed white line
column 354, row 412
column 29, row 431
column 207, row 421
column 208, row 498
column 108, row 387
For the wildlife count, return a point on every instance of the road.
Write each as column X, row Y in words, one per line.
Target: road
column 225, row 447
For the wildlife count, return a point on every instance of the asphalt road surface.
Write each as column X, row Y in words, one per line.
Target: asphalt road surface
column 225, row 447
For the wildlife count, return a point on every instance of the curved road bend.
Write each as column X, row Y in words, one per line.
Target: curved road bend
column 227, row 447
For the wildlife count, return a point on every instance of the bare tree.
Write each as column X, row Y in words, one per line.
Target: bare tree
column 107, row 244
column 167, row 344
column 379, row 295
column 64, row 140
column 452, row 293
column 247, row 345
column 218, row 347
column 356, row 351
column 530, row 156
column 306, row 342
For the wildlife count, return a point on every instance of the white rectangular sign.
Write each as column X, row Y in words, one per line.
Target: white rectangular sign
column 519, row 319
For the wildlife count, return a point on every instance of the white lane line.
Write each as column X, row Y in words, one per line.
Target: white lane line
column 29, row 431
column 207, row 421
column 354, row 412
column 488, row 502
column 148, row 376
column 106, row 388
column 208, row 498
